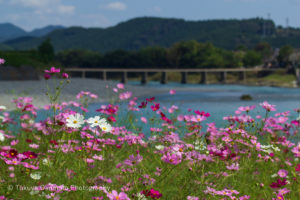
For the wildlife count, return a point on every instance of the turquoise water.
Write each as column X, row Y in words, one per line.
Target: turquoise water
column 218, row 100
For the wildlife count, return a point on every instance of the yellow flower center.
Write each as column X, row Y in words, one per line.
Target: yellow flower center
column 117, row 197
column 104, row 128
column 75, row 122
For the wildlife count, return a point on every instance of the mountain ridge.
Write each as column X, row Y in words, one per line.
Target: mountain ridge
column 141, row 32
column 9, row 31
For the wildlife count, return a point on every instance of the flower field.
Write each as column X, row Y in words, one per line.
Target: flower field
column 107, row 156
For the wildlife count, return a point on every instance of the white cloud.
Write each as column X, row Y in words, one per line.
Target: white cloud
column 35, row 3
column 43, row 7
column 64, row 9
column 117, row 6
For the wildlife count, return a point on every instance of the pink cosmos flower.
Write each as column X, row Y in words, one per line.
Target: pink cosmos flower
column 125, row 95
column 283, row 191
column 192, row 198
column 120, row 85
column 97, row 198
column 246, row 108
column 234, row 166
column 268, row 106
column 172, row 92
column 143, row 119
column 34, row 146
column 282, row 173
column 98, row 157
column 115, row 196
column 88, row 160
column 14, row 142
column 2, row 61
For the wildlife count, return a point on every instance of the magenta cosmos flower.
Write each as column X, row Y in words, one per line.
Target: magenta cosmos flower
column 154, row 194
column 115, row 196
column 53, row 70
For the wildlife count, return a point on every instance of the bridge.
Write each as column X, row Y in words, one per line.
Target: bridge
column 184, row 73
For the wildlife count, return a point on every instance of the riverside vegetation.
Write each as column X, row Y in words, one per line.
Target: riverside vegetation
column 107, row 156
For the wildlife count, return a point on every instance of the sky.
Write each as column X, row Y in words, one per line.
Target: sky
column 31, row 14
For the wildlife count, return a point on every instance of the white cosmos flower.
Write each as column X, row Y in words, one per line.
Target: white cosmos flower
column 200, row 145
column 46, row 162
column 75, row 121
column 106, row 127
column 141, row 196
column 2, row 137
column 36, row 175
column 2, row 108
column 159, row 147
column 95, row 121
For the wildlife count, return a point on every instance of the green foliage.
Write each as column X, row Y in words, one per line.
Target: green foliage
column 46, row 51
column 25, row 58
column 284, row 54
column 79, row 58
column 264, row 48
column 252, row 58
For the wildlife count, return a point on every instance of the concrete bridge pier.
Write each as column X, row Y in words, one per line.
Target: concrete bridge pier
column 223, row 77
column 242, row 76
column 144, row 78
column 124, row 77
column 184, row 77
column 83, row 74
column 164, row 78
column 203, row 78
column 104, row 77
column 297, row 71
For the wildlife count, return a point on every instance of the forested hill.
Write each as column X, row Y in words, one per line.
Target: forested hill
column 150, row 31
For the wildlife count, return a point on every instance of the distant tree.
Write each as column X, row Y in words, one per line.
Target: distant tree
column 264, row 48
column 184, row 54
column 284, row 54
column 46, row 51
column 79, row 58
column 117, row 58
column 152, row 57
column 252, row 58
